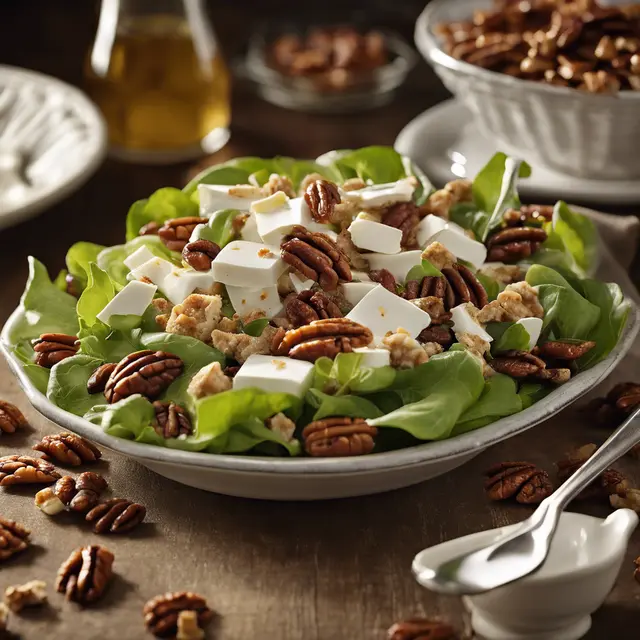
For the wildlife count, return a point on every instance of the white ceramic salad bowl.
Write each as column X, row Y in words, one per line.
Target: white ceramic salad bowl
column 319, row 479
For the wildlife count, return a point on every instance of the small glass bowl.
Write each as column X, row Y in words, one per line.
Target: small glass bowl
column 361, row 90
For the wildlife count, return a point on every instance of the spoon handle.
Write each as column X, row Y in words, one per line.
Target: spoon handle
column 623, row 438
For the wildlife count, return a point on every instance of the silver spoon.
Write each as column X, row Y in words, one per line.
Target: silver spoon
column 522, row 552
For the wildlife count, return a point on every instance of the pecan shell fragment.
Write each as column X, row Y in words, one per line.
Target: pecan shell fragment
column 11, row 418
column 26, row 470
column 68, row 449
column 171, row 420
column 116, row 516
column 322, row 196
column 175, row 233
column 84, row 576
column 310, row 305
column 339, row 437
column 146, row 372
column 51, row 348
column 522, row 480
column 422, row 629
column 200, row 254
column 161, row 613
column 13, row 538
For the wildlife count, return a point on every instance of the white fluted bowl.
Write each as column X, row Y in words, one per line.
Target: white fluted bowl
column 570, row 131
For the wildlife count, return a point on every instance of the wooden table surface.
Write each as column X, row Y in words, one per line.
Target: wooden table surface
column 283, row 571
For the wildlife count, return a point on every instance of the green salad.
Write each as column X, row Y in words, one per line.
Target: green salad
column 344, row 307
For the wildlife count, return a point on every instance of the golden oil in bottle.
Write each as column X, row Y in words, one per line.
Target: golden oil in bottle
column 163, row 88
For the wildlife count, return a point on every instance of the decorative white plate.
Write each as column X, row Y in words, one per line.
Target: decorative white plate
column 317, row 479
column 445, row 143
column 52, row 138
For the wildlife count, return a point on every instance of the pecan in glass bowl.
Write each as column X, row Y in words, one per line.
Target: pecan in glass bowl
column 551, row 123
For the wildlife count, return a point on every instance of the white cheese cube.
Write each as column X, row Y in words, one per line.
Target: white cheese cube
column 462, row 246
column 156, row 270
column 355, row 291
column 275, row 375
column 398, row 264
column 181, row 283
column 430, row 225
column 242, row 263
column 215, row 197
column 274, row 225
column 375, row 236
column 250, row 230
column 245, row 300
column 379, row 195
column 533, row 327
column 132, row 300
column 383, row 311
column 299, row 284
column 374, row 357
column 273, row 202
column 138, row 258
column 464, row 323
column 361, row 276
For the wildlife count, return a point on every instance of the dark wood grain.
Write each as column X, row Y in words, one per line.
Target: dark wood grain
column 280, row 571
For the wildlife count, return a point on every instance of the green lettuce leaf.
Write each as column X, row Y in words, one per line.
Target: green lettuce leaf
column 67, row 387
column 344, row 375
column 345, row 405
column 109, row 344
column 499, row 399
column 38, row 375
column 531, row 392
column 78, row 259
column 220, row 227
column 253, row 435
column 450, row 383
column 491, row 286
column 507, row 336
column 422, row 270
column 100, row 290
column 163, row 205
column 578, row 234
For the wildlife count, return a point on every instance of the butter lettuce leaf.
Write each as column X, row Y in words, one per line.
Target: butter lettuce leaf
column 507, row 336
column 67, row 386
column 345, row 375
column 345, row 405
column 78, row 259
column 578, row 234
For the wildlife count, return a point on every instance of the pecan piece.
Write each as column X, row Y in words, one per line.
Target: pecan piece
column 200, row 254
column 616, row 405
column 161, row 613
column 522, row 480
column 514, row 244
column 72, row 286
column 175, row 233
column 68, row 449
column 558, row 350
column 322, row 196
column 457, row 285
column 31, row 594
column 26, row 470
column 98, row 380
column 76, row 494
column 317, row 257
column 422, row 629
column 146, row 372
column 171, row 420
column 84, row 576
column 149, row 229
column 404, row 216
column 440, row 334
column 322, row 338
column 13, row 538
column 338, row 437
column 527, row 215
column 51, row 348
column 308, row 306
column 386, row 279
column 609, row 482
column 11, row 418
column 522, row 364
column 116, row 516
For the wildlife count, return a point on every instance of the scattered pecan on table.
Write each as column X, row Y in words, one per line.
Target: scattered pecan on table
column 317, row 257
column 321, row 338
column 522, row 364
column 457, row 285
column 200, row 254
column 522, row 480
column 68, row 449
column 175, row 233
column 84, row 576
column 31, row 594
column 339, row 437
column 171, row 420
column 116, row 516
column 76, row 494
column 613, row 408
column 11, row 418
column 528, row 215
column 311, row 305
column 608, row 483
column 161, row 613
column 322, row 196
column 422, row 629
column 98, row 379
column 51, row 348
column 13, row 538
column 146, row 372
column 514, row 244
column 626, row 499
column 4, row 616
column 17, row 469
column 404, row 216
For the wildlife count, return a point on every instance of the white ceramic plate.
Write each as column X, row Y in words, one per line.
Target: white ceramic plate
column 316, row 479
column 445, row 143
column 58, row 132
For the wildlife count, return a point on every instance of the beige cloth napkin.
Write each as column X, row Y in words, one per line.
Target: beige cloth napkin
column 619, row 236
